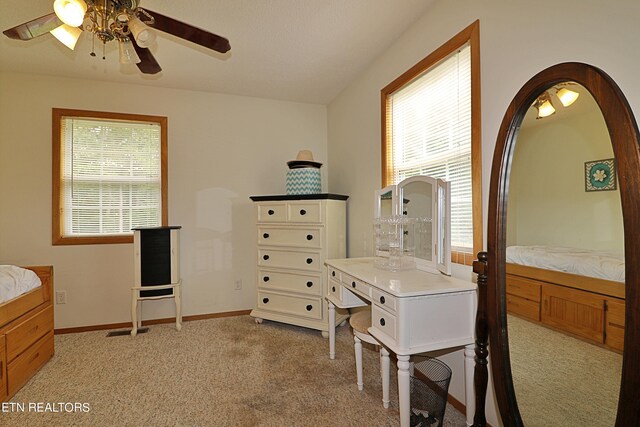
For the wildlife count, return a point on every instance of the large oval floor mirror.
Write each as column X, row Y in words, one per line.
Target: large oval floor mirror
column 558, row 283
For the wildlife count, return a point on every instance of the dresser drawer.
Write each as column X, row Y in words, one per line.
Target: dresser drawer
column 523, row 288
column 299, row 237
column 304, row 212
column 383, row 321
column 272, row 212
column 28, row 363
column 614, row 326
column 384, row 300
column 3, row 370
column 310, row 261
column 300, row 306
column 292, row 282
column 26, row 333
column 356, row 285
column 345, row 297
column 523, row 307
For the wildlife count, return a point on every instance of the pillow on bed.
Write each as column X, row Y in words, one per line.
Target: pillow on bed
column 15, row 281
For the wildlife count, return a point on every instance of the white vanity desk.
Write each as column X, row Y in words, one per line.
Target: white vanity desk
column 412, row 312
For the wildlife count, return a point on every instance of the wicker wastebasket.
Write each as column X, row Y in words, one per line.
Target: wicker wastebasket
column 429, row 391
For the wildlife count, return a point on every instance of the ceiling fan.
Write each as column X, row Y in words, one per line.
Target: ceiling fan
column 115, row 20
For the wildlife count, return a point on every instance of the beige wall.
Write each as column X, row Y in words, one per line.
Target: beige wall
column 517, row 40
column 222, row 149
column 548, row 204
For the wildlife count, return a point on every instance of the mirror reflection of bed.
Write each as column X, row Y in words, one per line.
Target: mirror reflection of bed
column 565, row 270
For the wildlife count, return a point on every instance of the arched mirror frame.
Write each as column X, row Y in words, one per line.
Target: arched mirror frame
column 491, row 322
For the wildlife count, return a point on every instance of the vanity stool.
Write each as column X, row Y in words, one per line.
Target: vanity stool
column 360, row 322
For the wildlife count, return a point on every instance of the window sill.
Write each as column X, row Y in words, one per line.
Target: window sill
column 93, row 240
column 464, row 258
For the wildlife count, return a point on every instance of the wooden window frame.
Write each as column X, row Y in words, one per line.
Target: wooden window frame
column 57, row 205
column 470, row 35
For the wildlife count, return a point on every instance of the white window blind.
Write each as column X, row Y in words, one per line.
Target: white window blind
column 111, row 178
column 430, row 129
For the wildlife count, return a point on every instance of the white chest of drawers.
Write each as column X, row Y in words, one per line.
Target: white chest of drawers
column 295, row 234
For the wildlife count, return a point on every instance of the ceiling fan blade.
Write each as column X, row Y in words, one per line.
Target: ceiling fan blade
column 147, row 64
column 35, row 28
column 189, row 32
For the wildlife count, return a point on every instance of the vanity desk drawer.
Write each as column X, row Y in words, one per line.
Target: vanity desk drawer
column 357, row 286
column 383, row 321
column 384, row 300
column 345, row 297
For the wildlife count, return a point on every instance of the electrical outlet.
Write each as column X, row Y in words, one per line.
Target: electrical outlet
column 238, row 285
column 61, row 297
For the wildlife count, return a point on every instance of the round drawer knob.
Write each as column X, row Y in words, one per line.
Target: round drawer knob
column 265, row 278
column 353, row 284
column 382, row 300
column 271, row 212
column 333, row 289
column 309, row 260
column 265, row 300
column 333, row 274
column 265, row 257
column 265, row 235
column 309, row 307
column 309, row 284
column 309, row 237
column 382, row 322
column 303, row 212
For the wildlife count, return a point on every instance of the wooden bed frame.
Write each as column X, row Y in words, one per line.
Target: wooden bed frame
column 26, row 334
column 585, row 307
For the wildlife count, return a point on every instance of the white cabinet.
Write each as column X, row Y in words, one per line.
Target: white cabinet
column 295, row 235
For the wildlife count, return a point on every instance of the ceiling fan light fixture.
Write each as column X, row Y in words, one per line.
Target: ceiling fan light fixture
column 566, row 96
column 67, row 35
column 71, row 12
column 141, row 32
column 128, row 54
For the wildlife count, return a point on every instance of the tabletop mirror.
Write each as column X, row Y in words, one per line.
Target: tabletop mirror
column 414, row 215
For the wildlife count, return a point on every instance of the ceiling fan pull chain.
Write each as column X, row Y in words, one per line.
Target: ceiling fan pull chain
column 93, row 45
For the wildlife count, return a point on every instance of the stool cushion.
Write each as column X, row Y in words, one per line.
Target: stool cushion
column 361, row 321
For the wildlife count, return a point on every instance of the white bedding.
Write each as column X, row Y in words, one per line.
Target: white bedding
column 15, row 281
column 599, row 264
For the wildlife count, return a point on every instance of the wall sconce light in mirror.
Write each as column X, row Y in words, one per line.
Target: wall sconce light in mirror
column 544, row 105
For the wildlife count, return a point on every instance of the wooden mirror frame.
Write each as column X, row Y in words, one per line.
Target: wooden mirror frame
column 491, row 321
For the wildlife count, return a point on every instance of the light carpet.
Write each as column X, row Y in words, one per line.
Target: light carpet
column 560, row 380
column 216, row 372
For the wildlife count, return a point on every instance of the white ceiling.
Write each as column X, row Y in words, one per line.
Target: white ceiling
column 296, row 50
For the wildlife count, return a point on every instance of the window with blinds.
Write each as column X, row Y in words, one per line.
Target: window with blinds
column 110, row 172
column 431, row 126
column 430, row 133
